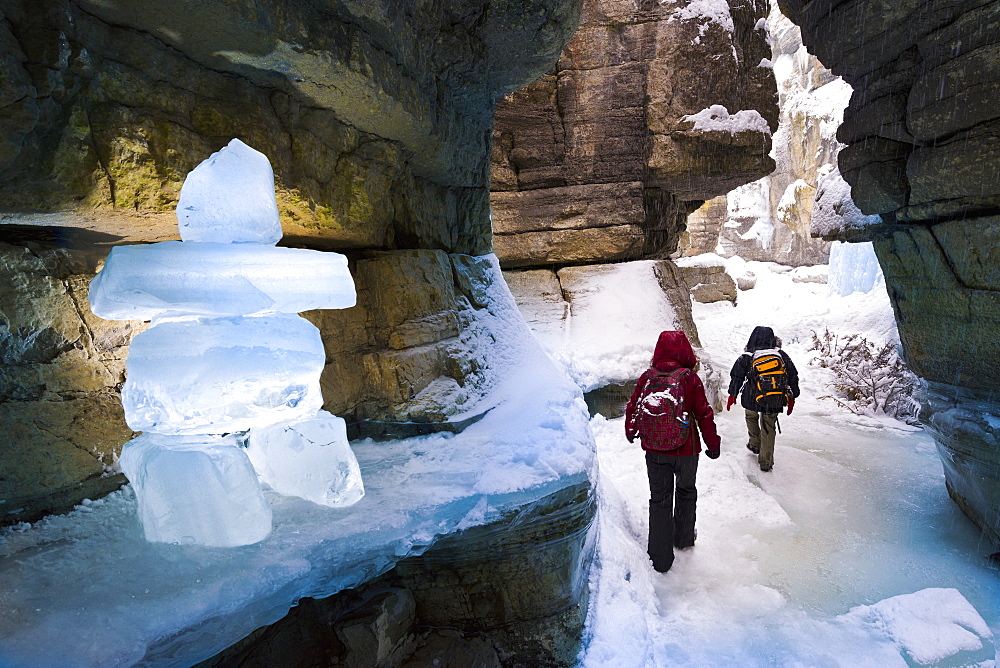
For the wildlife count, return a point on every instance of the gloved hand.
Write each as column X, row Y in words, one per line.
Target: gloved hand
column 630, row 437
column 791, row 405
column 729, row 402
column 713, row 453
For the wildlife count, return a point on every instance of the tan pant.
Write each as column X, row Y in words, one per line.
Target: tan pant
column 761, row 428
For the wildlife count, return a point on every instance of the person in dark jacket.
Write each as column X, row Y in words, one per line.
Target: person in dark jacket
column 761, row 421
column 671, row 524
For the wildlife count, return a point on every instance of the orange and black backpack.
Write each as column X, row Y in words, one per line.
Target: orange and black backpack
column 769, row 380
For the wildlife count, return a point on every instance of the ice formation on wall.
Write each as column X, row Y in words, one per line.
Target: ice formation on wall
column 853, row 268
column 227, row 362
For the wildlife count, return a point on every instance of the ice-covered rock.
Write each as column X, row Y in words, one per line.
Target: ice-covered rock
column 819, row 273
column 229, row 198
column 931, row 627
column 310, row 459
column 147, row 281
column 196, row 490
column 219, row 375
column 834, row 212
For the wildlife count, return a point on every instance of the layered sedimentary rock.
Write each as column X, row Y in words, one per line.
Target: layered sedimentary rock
column 61, row 375
column 597, row 160
column 922, row 154
column 375, row 115
column 529, row 589
column 769, row 220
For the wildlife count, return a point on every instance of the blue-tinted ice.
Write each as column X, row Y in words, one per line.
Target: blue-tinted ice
column 310, row 459
column 226, row 352
column 229, row 198
column 196, row 490
column 146, row 282
column 220, row 375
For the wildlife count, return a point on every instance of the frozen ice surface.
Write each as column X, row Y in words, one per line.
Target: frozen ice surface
column 310, row 459
column 229, row 198
column 854, row 513
column 196, row 490
column 853, row 268
column 147, row 281
column 220, row 375
column 85, row 589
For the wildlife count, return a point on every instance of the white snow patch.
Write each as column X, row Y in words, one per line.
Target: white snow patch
column 931, row 626
column 708, row 11
column 616, row 315
column 717, row 118
column 834, row 211
column 704, row 260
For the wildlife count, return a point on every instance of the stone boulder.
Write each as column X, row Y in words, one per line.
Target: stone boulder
column 62, row 371
column 597, row 160
column 706, row 279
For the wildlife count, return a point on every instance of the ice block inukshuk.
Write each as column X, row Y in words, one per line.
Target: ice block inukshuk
column 227, row 362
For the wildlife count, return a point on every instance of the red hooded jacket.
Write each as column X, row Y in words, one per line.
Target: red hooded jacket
column 673, row 350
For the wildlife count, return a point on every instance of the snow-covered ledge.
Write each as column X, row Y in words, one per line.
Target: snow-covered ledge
column 86, row 589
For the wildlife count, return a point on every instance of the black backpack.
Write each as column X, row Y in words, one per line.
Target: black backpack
column 769, row 380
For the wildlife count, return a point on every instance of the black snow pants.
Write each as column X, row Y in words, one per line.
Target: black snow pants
column 671, row 523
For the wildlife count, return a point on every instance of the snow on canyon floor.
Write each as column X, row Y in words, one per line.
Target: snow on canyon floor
column 793, row 567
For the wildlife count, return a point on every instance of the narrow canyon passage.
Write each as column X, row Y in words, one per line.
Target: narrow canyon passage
column 854, row 512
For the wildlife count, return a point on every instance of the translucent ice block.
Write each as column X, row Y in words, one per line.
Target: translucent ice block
column 309, row 459
column 198, row 490
column 218, row 375
column 143, row 282
column 229, row 198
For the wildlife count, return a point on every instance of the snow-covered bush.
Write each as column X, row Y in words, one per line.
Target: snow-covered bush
column 869, row 378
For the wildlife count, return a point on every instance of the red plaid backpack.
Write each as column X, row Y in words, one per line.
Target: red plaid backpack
column 659, row 418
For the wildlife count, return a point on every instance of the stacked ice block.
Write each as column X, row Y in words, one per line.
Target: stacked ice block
column 227, row 362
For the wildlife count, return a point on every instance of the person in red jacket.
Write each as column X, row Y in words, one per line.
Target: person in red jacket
column 672, row 472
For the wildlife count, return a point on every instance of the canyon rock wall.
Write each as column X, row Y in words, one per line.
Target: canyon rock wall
column 922, row 149
column 597, row 162
column 376, row 115
column 770, row 220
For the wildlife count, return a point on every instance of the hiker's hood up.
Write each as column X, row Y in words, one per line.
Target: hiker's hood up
column 761, row 338
column 673, row 350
